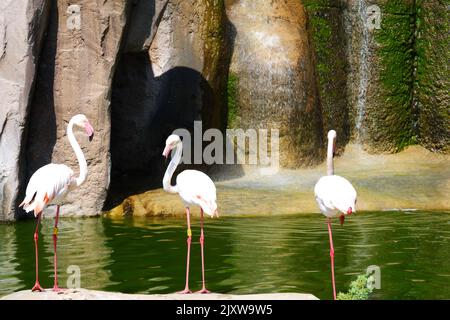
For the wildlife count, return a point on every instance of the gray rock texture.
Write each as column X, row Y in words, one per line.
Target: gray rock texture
column 82, row 58
column 22, row 26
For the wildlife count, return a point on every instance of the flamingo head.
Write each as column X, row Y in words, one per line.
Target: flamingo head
column 82, row 121
column 332, row 136
column 172, row 141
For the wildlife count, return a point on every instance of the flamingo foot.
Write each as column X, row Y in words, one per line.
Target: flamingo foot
column 185, row 291
column 37, row 287
column 203, row 291
column 57, row 289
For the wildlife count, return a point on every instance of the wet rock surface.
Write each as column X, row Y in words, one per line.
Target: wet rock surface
column 275, row 85
column 415, row 179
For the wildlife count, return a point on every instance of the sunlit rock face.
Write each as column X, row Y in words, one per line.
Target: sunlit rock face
column 82, row 46
column 22, row 25
column 272, row 69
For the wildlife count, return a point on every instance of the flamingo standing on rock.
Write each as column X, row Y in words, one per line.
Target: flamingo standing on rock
column 50, row 184
column 335, row 196
column 194, row 188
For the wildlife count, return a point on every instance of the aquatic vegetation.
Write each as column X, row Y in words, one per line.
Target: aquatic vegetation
column 360, row 289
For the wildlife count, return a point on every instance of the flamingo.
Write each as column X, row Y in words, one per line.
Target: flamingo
column 335, row 196
column 194, row 188
column 50, row 184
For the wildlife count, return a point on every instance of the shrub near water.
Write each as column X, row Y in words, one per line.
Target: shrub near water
column 360, row 289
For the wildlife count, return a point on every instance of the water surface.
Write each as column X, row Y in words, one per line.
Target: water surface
column 243, row 254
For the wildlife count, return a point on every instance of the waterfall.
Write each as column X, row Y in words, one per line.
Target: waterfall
column 363, row 70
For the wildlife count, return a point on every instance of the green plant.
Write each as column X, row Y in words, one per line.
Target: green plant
column 360, row 289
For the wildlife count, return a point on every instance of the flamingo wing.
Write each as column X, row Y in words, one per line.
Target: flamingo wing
column 46, row 184
column 334, row 194
column 196, row 188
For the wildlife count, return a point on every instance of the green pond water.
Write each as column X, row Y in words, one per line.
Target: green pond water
column 243, row 254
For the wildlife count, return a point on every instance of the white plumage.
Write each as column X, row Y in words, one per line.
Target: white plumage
column 48, row 185
column 196, row 188
column 335, row 194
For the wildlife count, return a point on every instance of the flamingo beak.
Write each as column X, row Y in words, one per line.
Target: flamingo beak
column 89, row 130
column 166, row 151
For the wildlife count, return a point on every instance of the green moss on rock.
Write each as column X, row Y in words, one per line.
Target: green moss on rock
column 231, row 99
column 328, row 37
column 431, row 88
column 392, row 115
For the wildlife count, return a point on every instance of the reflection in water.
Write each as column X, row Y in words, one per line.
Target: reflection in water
column 243, row 255
column 8, row 264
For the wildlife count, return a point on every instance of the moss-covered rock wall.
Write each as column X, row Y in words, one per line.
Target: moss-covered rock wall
column 432, row 81
column 327, row 31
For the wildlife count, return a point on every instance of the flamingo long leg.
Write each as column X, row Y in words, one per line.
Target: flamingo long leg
column 55, row 257
column 202, row 241
column 37, row 286
column 332, row 258
column 189, row 239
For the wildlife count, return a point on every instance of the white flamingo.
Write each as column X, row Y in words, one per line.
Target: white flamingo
column 335, row 196
column 50, row 184
column 194, row 188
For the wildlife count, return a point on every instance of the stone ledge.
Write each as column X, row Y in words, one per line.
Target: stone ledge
column 84, row 294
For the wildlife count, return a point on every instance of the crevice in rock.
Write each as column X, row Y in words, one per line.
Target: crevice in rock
column 40, row 131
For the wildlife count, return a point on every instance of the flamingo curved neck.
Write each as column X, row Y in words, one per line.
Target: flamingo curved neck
column 330, row 151
column 79, row 153
column 171, row 169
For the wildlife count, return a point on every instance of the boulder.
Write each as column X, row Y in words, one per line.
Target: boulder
column 22, row 26
column 272, row 80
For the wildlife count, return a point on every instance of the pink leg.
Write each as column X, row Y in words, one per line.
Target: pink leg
column 55, row 258
column 37, row 286
column 332, row 258
column 189, row 238
column 202, row 241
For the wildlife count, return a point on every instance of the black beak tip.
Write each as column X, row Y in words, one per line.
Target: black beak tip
column 91, row 137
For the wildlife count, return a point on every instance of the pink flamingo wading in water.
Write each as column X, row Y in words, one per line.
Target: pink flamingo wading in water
column 335, row 196
column 50, row 184
column 194, row 188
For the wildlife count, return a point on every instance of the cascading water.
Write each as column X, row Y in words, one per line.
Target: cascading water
column 268, row 68
column 276, row 87
column 363, row 71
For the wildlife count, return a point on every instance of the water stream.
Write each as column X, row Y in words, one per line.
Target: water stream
column 363, row 71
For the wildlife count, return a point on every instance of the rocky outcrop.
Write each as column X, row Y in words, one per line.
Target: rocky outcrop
column 22, row 25
column 326, row 25
column 432, row 81
column 272, row 78
column 84, row 50
column 381, row 75
column 398, row 83
column 163, row 85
